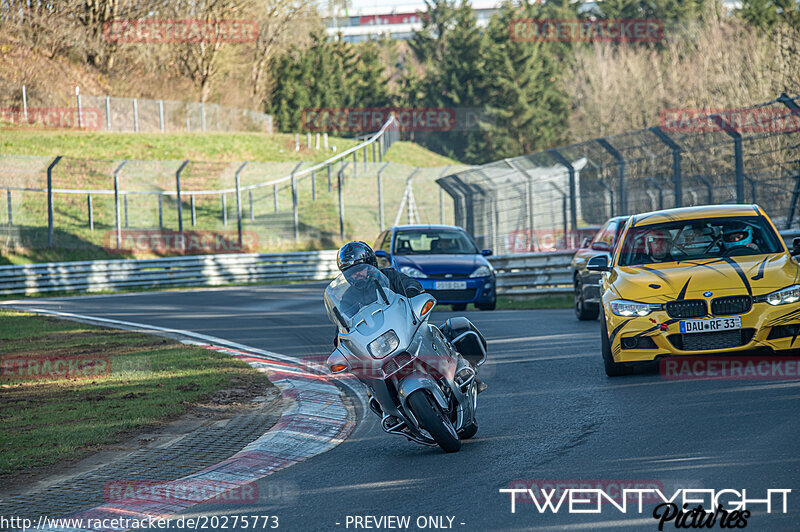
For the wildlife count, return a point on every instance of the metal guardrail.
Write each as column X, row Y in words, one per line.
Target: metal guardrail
column 521, row 274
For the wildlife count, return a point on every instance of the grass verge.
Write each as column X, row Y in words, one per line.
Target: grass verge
column 119, row 382
column 537, row 302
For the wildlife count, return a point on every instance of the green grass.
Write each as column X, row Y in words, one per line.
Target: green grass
column 49, row 418
column 415, row 155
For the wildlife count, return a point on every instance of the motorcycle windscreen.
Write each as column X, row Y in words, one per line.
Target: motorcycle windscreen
column 355, row 289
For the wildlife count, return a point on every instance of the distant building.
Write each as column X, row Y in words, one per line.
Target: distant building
column 397, row 22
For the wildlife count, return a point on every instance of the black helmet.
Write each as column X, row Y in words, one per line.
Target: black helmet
column 353, row 253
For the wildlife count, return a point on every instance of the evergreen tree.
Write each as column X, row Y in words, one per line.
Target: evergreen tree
column 766, row 14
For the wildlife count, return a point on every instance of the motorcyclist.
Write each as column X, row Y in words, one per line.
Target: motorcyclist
column 357, row 252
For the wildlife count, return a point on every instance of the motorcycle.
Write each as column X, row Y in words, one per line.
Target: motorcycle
column 420, row 379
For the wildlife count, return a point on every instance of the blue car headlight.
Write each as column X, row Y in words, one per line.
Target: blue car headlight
column 481, row 271
column 412, row 272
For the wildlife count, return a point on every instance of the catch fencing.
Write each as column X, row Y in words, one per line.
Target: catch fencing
column 94, row 208
column 138, row 115
column 540, row 202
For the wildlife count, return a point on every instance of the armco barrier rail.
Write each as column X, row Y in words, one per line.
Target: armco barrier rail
column 523, row 274
column 518, row 275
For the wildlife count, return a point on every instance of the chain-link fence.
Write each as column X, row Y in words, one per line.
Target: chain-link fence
column 540, row 202
column 106, row 113
column 86, row 209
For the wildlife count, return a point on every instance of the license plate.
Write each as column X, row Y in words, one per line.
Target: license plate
column 712, row 325
column 450, row 285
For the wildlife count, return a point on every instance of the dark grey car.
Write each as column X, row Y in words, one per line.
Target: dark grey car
column 586, row 283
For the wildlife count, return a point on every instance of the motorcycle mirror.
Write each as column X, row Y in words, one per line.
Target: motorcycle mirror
column 337, row 363
column 422, row 304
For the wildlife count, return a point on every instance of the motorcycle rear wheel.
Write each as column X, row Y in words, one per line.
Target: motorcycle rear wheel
column 432, row 419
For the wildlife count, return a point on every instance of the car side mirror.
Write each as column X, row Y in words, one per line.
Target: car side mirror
column 601, row 246
column 598, row 264
column 586, row 241
column 381, row 254
column 486, row 252
column 795, row 247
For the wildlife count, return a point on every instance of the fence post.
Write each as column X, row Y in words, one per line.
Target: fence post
column 10, row 215
column 161, row 114
column 275, row 195
column 294, row 203
column 91, row 211
column 135, row 115
column 325, row 141
column 329, row 179
column 80, row 111
column 108, row 113
column 160, row 212
column 224, row 210
column 610, row 196
column 374, row 158
column 180, row 202
column 25, row 104
column 380, row 195
column 793, row 202
column 125, row 198
column 50, row 221
column 623, row 186
column 116, row 204
column 752, row 187
column 573, row 209
column 364, row 154
column 308, row 140
column 441, row 195
column 313, row 186
column 194, row 215
column 676, row 163
column 660, row 192
column 252, row 216
column 341, row 201
column 355, row 163
column 737, row 154
column 239, row 204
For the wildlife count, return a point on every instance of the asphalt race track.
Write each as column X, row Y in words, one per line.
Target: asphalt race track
column 550, row 414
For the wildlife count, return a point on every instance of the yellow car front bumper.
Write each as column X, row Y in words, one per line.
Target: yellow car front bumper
column 641, row 339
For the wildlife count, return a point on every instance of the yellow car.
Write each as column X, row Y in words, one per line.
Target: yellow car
column 698, row 280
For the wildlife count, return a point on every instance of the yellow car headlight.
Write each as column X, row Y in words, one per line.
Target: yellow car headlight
column 790, row 294
column 621, row 307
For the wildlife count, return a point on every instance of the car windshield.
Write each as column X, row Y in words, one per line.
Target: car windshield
column 353, row 290
column 433, row 241
column 698, row 239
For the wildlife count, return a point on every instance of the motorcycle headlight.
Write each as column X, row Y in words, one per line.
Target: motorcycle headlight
column 383, row 344
column 782, row 297
column 412, row 272
column 482, row 271
column 620, row 307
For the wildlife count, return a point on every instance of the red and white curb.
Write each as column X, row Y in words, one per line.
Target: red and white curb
column 316, row 420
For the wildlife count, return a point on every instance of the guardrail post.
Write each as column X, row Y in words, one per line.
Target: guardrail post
column 239, row 204
column 224, row 210
column 10, row 215
column 623, row 186
column 252, row 215
column 676, row 163
column 135, row 116
column 91, row 211
column 180, row 202
column 380, row 195
column 50, row 215
column 294, row 203
column 341, row 200
column 572, row 199
column 161, row 114
column 194, row 214
column 116, row 204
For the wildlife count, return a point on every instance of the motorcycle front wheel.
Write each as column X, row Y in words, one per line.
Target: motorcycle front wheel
column 432, row 419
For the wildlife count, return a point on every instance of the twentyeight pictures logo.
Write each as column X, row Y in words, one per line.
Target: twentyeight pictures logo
column 158, row 31
column 575, row 30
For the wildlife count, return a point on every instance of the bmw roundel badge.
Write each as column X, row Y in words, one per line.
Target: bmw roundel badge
column 707, row 294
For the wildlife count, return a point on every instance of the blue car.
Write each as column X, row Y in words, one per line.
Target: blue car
column 444, row 259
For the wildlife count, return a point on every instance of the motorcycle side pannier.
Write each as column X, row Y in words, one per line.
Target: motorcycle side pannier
column 466, row 338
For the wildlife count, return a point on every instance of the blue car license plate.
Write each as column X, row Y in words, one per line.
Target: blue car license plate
column 450, row 285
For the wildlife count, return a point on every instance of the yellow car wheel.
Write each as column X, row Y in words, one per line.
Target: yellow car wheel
column 613, row 369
